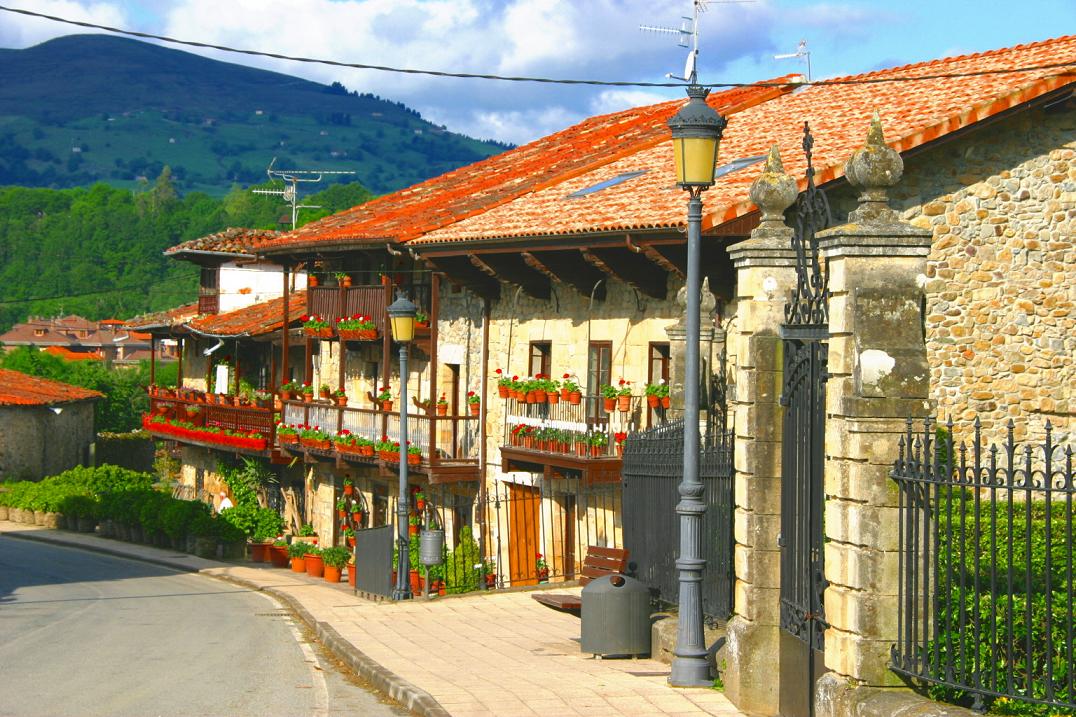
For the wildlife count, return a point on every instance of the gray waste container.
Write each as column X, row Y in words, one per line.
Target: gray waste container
column 616, row 617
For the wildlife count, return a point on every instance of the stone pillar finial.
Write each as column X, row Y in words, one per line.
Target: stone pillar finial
column 874, row 168
column 773, row 191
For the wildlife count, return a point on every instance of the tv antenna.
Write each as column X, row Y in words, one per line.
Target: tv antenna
column 292, row 178
column 688, row 34
column 801, row 53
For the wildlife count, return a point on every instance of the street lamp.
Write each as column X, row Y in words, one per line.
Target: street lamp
column 402, row 319
column 696, row 133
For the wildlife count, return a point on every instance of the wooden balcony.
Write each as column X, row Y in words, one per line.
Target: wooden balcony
column 567, row 440
column 449, row 443
column 334, row 302
column 234, row 418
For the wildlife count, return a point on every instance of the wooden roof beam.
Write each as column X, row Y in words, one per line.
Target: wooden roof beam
column 513, row 269
column 633, row 269
column 567, row 268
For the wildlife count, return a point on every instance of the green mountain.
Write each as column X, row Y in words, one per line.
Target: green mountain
column 86, row 108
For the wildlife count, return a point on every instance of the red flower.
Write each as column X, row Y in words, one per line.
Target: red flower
column 304, row 317
column 567, row 375
column 470, row 393
column 515, row 378
column 498, row 372
column 621, row 382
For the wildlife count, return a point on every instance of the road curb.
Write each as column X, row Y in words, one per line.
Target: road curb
column 417, row 700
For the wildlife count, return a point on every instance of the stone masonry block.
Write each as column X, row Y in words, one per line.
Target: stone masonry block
column 759, row 458
column 841, row 314
column 860, row 482
column 860, row 658
column 752, row 661
column 861, row 524
column 759, row 316
column 842, row 354
column 761, row 605
column 763, row 284
column 760, row 419
column 761, row 568
column 756, row 530
column 758, row 494
column 868, row 614
column 766, row 351
column 860, row 568
column 755, row 386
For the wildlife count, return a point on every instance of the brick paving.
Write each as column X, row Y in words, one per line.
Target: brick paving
column 496, row 653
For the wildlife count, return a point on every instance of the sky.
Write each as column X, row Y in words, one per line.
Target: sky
column 592, row 39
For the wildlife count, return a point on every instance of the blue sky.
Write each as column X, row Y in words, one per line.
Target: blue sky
column 560, row 38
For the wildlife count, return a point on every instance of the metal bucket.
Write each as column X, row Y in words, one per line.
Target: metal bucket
column 431, row 547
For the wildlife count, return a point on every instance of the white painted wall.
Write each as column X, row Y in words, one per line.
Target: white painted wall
column 242, row 285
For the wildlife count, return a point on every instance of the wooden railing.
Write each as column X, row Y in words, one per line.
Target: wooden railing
column 235, row 418
column 441, row 438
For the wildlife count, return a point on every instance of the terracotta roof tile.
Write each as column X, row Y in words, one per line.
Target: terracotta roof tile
column 70, row 355
column 913, row 113
column 20, row 389
column 235, row 240
column 450, row 197
column 254, row 320
column 163, row 319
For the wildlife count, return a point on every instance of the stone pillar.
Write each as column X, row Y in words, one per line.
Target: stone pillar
column 766, row 273
column 677, row 334
column 878, row 377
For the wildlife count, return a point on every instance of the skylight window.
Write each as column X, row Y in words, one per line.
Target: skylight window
column 737, row 164
column 606, row 184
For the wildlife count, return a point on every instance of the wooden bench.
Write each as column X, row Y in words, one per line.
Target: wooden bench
column 598, row 563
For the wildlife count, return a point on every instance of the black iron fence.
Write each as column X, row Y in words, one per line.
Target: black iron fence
column 986, row 568
column 653, row 468
column 514, row 535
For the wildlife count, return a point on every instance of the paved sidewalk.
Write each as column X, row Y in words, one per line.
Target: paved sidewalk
column 497, row 653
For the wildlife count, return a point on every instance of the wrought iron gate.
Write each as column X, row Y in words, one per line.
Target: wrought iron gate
column 804, row 332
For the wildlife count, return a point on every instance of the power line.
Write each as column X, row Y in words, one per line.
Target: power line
column 510, row 78
column 151, row 290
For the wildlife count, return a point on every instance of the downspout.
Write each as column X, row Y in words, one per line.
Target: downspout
column 482, row 419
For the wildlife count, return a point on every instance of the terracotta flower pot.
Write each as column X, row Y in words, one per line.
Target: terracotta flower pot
column 298, row 565
column 259, row 552
column 653, row 401
column 665, row 402
column 442, row 409
column 502, row 391
column 553, row 397
column 331, row 574
column 609, row 404
column 412, row 530
column 564, row 394
column 416, row 582
column 475, row 408
column 623, row 403
column 348, row 489
column 308, row 398
column 356, row 517
column 278, row 554
column 351, row 575
column 574, row 397
column 414, row 460
column 315, row 566
column 386, row 406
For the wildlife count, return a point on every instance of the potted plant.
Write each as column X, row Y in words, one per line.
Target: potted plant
column 349, row 486
column 541, row 568
column 314, row 564
column 385, row 399
column 278, row 553
column 442, row 405
column 351, row 570
column 316, row 326
column 356, row 514
column 619, row 437
column 333, row 560
column 422, row 320
column 413, row 524
column 655, row 392
column 420, row 501
column 623, row 396
column 297, row 553
column 307, row 534
column 339, row 397
column 307, row 392
column 598, row 440
column 325, row 392
column 552, row 390
column 609, row 395
column 287, row 434
column 342, row 506
column 503, row 383
column 414, row 455
column 474, row 402
column 343, row 279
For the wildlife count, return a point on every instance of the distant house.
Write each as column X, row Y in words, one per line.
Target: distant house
column 46, row 426
column 77, row 339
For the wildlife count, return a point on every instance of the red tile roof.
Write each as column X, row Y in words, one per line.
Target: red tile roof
column 20, row 389
column 913, row 112
column 163, row 319
column 235, row 240
column 254, row 320
column 70, row 355
column 450, row 197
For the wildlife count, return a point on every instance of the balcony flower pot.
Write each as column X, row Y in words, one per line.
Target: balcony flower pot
column 315, row 566
column 288, row 438
column 623, row 403
column 581, row 449
column 331, row 574
column 553, row 397
column 311, row 280
column 308, row 398
column 564, row 394
column 351, row 574
column 574, row 397
column 476, row 408
column 528, row 442
column 442, row 409
column 502, row 391
column 596, row 451
column 609, row 404
column 345, row 281
column 356, row 517
column 349, row 488
column 414, row 459
column 285, row 394
column 340, row 401
column 324, row 393
column 386, row 406
column 653, row 401
column 665, row 402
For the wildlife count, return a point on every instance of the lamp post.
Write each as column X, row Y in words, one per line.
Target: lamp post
column 696, row 132
column 402, row 318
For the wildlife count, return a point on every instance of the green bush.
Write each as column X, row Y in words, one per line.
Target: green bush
column 79, row 506
column 254, row 523
column 460, row 573
column 177, row 516
column 336, row 557
column 297, row 550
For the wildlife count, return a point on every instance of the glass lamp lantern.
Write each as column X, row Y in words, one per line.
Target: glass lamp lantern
column 402, row 318
column 696, row 132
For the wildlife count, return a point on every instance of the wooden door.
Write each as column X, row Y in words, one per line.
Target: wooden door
column 524, row 503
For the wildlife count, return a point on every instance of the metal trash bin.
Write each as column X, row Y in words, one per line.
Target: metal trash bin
column 615, row 617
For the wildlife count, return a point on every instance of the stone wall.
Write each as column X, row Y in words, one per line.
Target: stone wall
column 35, row 442
column 1001, row 276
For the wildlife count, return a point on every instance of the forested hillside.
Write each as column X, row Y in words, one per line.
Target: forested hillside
column 97, row 251
column 87, row 108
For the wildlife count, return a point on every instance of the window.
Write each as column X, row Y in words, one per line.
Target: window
column 540, row 358
column 658, row 370
column 599, row 373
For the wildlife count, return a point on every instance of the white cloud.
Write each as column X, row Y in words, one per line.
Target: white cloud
column 23, row 31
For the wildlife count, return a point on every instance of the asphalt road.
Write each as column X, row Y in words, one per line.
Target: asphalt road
column 88, row 634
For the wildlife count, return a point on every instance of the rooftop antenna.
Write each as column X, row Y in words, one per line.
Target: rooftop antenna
column 689, row 29
column 801, row 53
column 292, row 179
